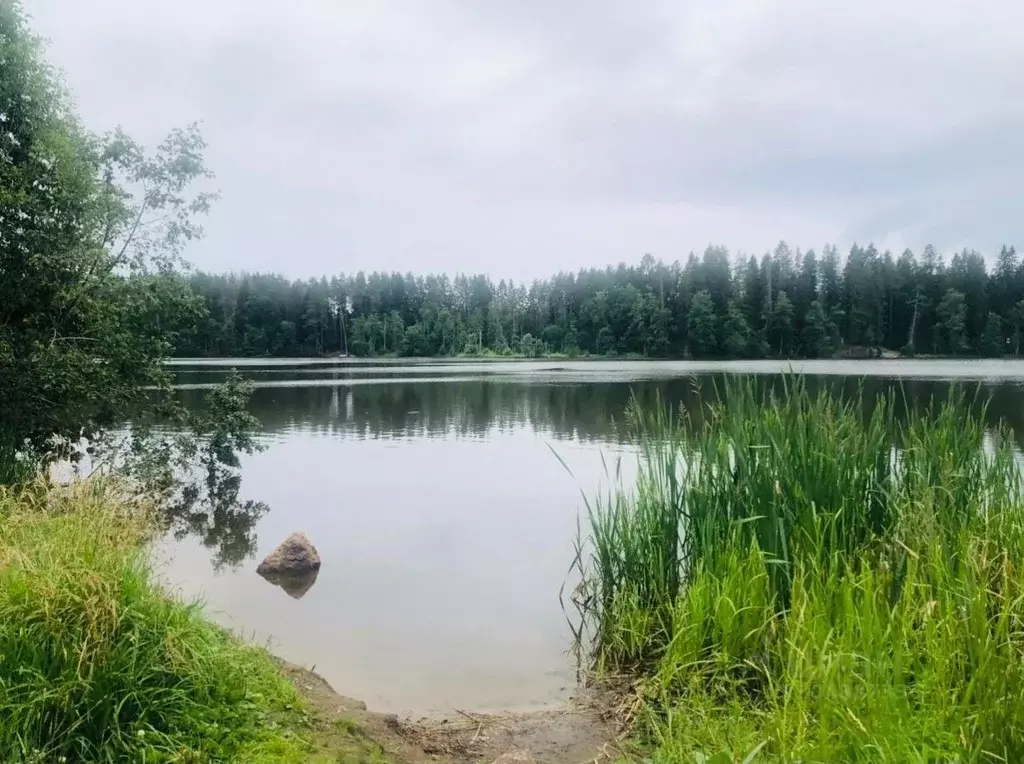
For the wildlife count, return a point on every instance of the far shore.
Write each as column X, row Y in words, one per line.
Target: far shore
column 341, row 360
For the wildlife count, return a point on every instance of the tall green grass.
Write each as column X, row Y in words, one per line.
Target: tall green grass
column 16, row 467
column 817, row 579
column 97, row 664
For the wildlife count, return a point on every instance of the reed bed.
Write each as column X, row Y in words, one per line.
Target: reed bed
column 800, row 576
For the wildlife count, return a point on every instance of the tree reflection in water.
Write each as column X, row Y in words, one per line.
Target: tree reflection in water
column 209, row 510
column 195, row 464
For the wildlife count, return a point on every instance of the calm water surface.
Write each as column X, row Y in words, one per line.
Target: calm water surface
column 444, row 519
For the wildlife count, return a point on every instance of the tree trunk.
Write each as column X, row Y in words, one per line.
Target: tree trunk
column 913, row 321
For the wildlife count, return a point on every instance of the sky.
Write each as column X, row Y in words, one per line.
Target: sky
column 524, row 137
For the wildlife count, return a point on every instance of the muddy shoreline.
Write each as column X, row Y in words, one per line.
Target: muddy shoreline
column 586, row 729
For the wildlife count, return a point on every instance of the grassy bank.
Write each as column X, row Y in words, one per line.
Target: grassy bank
column 800, row 579
column 98, row 664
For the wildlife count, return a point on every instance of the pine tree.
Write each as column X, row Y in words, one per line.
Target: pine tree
column 782, row 327
column 992, row 343
column 735, row 332
column 952, row 313
column 703, row 337
column 817, row 334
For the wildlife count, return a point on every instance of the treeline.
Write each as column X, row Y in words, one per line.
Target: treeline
column 786, row 303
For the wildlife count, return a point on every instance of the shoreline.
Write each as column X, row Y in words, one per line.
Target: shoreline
column 852, row 353
column 146, row 673
column 586, row 728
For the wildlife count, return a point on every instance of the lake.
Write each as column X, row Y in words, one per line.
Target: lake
column 443, row 498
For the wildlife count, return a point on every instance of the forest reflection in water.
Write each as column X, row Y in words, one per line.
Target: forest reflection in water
column 439, row 408
column 587, row 410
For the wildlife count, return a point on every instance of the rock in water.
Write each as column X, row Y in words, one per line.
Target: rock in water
column 295, row 557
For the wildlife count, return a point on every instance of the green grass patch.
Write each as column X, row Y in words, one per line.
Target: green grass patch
column 98, row 664
column 801, row 577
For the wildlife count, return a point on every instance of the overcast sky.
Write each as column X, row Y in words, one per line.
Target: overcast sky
column 521, row 137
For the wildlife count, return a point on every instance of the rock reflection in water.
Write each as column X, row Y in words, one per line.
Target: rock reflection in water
column 294, row 584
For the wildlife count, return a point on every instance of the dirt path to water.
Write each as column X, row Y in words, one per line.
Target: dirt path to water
column 586, row 730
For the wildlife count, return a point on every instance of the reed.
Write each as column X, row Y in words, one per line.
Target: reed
column 816, row 578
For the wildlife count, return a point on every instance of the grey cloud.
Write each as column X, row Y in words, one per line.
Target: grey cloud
column 523, row 137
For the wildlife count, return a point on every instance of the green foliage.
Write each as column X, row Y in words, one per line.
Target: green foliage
column 193, row 470
column 736, row 333
column 1017, row 321
column 818, row 333
column 993, row 344
column 552, row 336
column 952, row 315
column 531, row 346
column 98, row 664
column 703, row 330
column 793, row 575
column 787, row 304
column 90, row 230
column 571, row 342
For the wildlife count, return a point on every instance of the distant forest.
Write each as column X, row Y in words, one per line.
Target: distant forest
column 785, row 304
